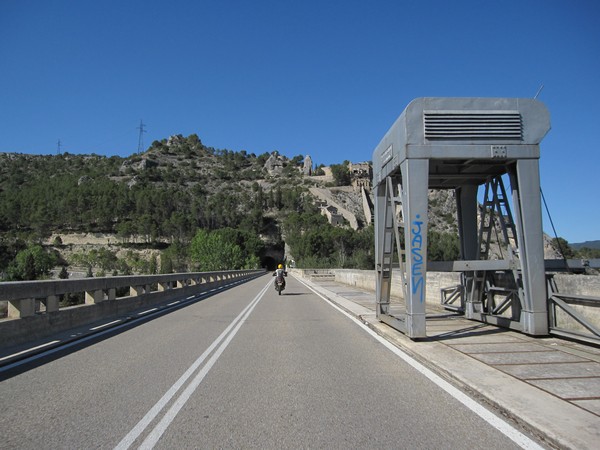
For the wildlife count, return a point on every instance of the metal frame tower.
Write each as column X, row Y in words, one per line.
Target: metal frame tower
column 141, row 137
column 462, row 144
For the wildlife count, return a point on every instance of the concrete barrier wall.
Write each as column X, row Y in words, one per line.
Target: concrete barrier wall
column 101, row 301
column 578, row 284
column 365, row 279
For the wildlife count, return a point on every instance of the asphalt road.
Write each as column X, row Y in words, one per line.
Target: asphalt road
column 244, row 368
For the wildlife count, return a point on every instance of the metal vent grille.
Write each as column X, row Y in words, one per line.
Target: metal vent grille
column 473, row 125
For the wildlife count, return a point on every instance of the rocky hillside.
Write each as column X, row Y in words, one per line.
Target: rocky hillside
column 140, row 205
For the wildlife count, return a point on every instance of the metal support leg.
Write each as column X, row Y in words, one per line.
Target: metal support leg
column 466, row 205
column 415, row 188
column 382, row 251
column 526, row 198
column 466, row 202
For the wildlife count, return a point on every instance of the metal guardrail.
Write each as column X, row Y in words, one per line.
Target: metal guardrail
column 572, row 316
column 453, row 298
column 567, row 315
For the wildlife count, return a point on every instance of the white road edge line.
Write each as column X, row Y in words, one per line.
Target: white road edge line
column 29, row 350
column 166, row 398
column 504, row 427
column 105, row 325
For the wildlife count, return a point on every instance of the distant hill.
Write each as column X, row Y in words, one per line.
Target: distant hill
column 586, row 244
column 143, row 206
column 140, row 207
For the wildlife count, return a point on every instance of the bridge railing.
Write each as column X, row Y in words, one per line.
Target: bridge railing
column 34, row 307
column 575, row 316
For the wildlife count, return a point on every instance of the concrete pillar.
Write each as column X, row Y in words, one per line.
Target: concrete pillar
column 20, row 308
column 112, row 294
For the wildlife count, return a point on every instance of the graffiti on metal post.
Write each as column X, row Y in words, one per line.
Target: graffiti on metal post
column 416, row 254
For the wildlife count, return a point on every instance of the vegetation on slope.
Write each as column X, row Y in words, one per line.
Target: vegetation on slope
column 167, row 201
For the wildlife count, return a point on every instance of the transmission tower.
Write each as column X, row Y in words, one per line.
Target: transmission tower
column 58, row 145
column 141, row 137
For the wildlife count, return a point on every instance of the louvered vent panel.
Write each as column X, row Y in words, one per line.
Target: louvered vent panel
column 473, row 125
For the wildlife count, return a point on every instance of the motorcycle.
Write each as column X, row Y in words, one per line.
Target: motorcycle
column 279, row 281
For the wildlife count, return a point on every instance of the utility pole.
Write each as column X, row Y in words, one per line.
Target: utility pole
column 141, row 137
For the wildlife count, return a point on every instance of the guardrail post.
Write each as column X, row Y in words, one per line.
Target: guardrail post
column 51, row 303
column 23, row 307
column 136, row 290
column 92, row 297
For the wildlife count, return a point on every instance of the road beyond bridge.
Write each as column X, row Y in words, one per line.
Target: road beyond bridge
column 245, row 368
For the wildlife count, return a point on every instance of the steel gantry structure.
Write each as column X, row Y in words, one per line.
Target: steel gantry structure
column 464, row 144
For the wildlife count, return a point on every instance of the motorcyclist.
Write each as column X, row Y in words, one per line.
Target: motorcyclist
column 280, row 273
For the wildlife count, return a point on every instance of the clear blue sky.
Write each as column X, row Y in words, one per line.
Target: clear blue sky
column 325, row 78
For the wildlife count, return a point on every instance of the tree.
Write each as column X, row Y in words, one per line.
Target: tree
column 341, row 174
column 563, row 247
column 250, row 244
column 32, row 263
column 442, row 246
column 153, row 269
column 211, row 252
column 174, row 258
column 166, row 264
column 29, row 272
column 64, row 274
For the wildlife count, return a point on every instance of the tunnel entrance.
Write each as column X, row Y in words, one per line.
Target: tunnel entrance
column 273, row 255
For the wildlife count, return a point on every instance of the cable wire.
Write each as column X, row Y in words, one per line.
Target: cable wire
column 555, row 234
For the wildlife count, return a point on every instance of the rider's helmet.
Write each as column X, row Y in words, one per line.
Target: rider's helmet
column 280, row 266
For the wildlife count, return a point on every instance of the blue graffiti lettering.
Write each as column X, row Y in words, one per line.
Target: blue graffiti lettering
column 416, row 252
